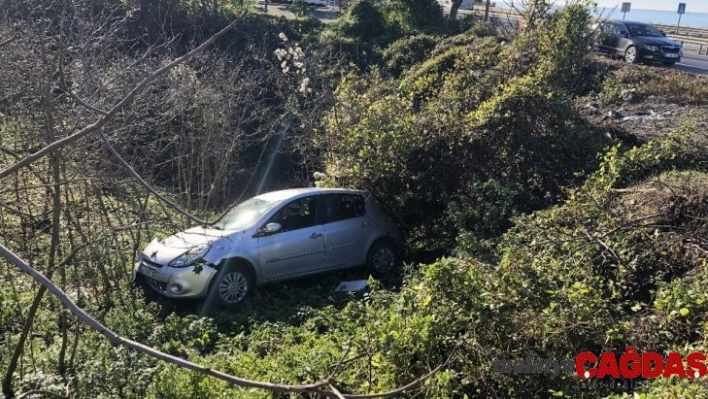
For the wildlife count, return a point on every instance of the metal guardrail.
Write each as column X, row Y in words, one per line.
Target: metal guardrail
column 697, row 33
column 695, row 37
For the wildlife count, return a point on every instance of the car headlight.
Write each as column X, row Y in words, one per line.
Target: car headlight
column 189, row 257
column 651, row 48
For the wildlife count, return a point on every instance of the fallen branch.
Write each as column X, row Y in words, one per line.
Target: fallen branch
column 336, row 392
column 42, row 392
column 49, row 148
column 633, row 190
column 320, row 387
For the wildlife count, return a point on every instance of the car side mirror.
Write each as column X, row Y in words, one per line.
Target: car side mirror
column 663, row 33
column 273, row 227
column 623, row 33
column 267, row 230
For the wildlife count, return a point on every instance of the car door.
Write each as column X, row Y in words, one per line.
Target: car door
column 619, row 40
column 298, row 247
column 605, row 33
column 347, row 230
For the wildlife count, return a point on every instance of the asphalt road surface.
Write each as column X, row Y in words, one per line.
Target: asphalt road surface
column 697, row 64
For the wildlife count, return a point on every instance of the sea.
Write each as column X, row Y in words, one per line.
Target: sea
column 688, row 19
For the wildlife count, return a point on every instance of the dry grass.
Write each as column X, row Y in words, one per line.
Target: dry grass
column 672, row 84
column 676, row 204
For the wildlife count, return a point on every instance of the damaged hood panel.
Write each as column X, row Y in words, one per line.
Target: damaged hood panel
column 164, row 251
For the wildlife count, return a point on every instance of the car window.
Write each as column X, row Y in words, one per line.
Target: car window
column 344, row 206
column 605, row 31
column 644, row 30
column 297, row 214
column 245, row 214
column 619, row 28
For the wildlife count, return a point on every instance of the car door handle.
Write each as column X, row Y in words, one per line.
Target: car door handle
column 315, row 235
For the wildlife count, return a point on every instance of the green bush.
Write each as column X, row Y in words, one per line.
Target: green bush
column 459, row 121
column 404, row 53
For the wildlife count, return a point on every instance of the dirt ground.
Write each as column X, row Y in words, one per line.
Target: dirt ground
column 640, row 112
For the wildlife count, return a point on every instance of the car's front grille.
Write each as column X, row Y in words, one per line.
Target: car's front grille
column 147, row 262
column 156, row 285
column 670, row 49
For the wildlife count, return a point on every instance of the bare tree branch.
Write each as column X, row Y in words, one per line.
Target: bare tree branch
column 317, row 387
column 8, row 41
column 402, row 389
column 118, row 340
column 117, row 108
column 65, row 87
column 142, row 181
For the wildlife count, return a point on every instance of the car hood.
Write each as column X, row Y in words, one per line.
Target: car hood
column 656, row 41
column 166, row 250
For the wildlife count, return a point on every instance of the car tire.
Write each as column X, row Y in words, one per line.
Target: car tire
column 668, row 63
column 231, row 286
column 630, row 55
column 382, row 259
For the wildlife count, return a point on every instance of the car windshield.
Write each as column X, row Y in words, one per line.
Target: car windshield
column 644, row 30
column 245, row 214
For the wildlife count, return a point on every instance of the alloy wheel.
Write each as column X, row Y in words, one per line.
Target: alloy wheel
column 630, row 55
column 384, row 259
column 233, row 288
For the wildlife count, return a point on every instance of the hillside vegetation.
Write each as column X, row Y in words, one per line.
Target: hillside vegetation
column 537, row 221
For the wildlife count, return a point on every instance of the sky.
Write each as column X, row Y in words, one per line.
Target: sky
column 663, row 5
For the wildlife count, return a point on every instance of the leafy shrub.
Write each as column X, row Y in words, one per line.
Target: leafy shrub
column 477, row 27
column 414, row 15
column 404, row 53
column 459, row 121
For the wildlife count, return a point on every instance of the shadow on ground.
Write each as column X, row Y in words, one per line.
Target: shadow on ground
column 289, row 302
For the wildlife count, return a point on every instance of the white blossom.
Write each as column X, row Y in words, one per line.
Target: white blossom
column 280, row 53
column 283, row 37
column 303, row 85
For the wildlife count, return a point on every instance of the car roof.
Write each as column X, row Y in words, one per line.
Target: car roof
column 282, row 195
column 631, row 22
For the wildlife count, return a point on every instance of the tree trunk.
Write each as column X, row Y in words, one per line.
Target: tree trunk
column 453, row 9
column 486, row 10
column 7, row 389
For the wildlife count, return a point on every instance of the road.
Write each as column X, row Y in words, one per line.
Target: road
column 697, row 64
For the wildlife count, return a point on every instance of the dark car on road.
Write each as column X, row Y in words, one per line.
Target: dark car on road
column 637, row 42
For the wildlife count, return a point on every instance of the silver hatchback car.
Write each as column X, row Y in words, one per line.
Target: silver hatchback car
column 273, row 237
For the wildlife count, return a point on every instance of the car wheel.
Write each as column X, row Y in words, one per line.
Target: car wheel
column 668, row 63
column 630, row 55
column 382, row 259
column 232, row 286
